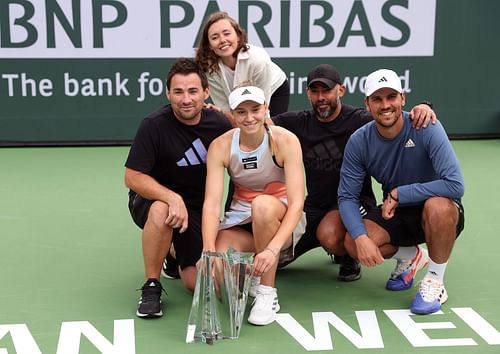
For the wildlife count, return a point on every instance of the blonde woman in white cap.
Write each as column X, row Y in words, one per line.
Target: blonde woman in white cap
column 265, row 165
column 422, row 184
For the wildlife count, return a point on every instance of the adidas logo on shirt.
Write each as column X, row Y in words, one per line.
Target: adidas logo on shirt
column 410, row 144
column 362, row 211
column 195, row 155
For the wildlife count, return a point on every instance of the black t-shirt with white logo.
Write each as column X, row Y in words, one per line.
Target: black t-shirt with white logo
column 174, row 154
column 323, row 145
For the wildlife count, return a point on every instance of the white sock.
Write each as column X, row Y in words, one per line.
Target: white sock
column 407, row 253
column 436, row 270
column 266, row 288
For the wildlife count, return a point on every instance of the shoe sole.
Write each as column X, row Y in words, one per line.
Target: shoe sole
column 256, row 323
column 263, row 323
column 350, row 277
column 149, row 315
column 425, row 311
column 428, row 311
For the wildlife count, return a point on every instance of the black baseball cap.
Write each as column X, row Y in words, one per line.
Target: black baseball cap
column 325, row 74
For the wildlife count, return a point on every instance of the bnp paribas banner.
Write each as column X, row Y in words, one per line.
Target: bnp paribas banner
column 74, row 71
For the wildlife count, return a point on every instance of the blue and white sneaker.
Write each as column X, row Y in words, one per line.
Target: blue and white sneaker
column 429, row 298
column 404, row 274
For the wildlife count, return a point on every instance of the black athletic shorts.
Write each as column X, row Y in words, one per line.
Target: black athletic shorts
column 405, row 228
column 188, row 245
column 314, row 217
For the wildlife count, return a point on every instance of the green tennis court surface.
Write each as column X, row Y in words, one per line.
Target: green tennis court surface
column 70, row 261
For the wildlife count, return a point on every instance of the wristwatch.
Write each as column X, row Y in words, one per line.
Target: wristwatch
column 429, row 103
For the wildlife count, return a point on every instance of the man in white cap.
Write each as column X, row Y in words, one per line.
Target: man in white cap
column 265, row 165
column 323, row 132
column 422, row 186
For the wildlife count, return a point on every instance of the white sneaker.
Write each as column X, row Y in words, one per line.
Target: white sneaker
column 254, row 285
column 430, row 297
column 265, row 306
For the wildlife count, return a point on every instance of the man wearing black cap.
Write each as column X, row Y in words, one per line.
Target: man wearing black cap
column 323, row 132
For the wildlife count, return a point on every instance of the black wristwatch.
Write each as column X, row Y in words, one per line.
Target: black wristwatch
column 429, row 103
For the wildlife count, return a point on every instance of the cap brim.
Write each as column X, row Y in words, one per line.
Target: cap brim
column 375, row 89
column 329, row 83
column 236, row 103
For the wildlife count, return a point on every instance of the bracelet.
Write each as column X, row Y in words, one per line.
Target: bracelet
column 275, row 254
column 392, row 197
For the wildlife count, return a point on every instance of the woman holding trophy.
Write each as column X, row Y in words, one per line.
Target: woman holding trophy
column 265, row 217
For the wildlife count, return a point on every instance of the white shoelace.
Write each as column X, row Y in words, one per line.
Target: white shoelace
column 430, row 290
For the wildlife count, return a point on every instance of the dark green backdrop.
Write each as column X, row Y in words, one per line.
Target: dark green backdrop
column 461, row 79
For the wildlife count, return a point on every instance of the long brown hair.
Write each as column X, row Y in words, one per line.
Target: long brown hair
column 205, row 56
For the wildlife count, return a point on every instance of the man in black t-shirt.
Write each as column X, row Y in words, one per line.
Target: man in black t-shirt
column 323, row 133
column 166, row 172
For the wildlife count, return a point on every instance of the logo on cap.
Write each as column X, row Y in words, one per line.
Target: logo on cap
column 382, row 78
column 246, row 93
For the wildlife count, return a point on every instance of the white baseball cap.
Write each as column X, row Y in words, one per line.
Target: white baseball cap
column 246, row 93
column 380, row 79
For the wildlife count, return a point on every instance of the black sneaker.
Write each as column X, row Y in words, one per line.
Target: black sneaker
column 170, row 269
column 335, row 259
column 349, row 269
column 150, row 301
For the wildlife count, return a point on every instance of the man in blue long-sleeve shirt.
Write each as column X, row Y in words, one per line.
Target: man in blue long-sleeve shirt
column 422, row 187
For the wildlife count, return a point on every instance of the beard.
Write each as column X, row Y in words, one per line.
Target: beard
column 388, row 123
column 325, row 113
column 189, row 116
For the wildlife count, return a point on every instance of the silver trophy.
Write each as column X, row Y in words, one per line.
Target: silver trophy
column 220, row 296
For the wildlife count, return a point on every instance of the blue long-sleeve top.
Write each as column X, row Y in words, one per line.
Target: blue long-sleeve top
column 419, row 163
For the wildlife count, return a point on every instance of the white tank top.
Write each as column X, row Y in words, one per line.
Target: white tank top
column 255, row 172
